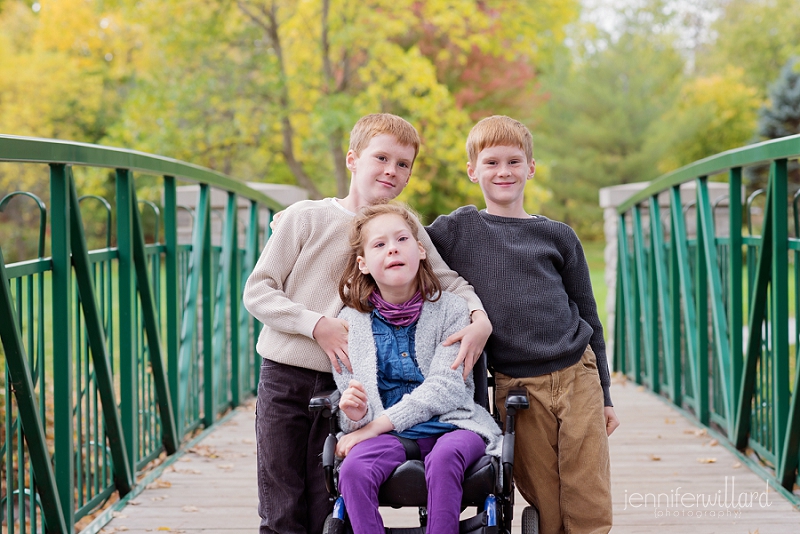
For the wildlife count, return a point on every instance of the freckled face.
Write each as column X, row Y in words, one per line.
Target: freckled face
column 502, row 172
column 392, row 256
column 382, row 169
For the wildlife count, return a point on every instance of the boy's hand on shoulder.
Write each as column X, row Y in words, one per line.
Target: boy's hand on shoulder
column 354, row 401
column 611, row 419
column 275, row 218
column 473, row 338
column 331, row 334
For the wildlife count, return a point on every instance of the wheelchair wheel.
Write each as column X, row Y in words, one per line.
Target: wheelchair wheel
column 530, row 520
column 333, row 526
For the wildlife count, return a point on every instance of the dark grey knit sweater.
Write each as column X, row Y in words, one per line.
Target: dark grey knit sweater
column 532, row 277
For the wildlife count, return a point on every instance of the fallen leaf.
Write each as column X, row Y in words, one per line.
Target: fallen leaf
column 158, row 483
column 640, row 388
column 669, row 421
column 696, row 431
column 655, row 458
column 737, row 465
column 225, row 466
column 163, row 528
column 190, row 509
column 707, row 460
column 713, row 443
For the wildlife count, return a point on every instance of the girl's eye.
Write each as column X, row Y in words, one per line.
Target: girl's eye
column 403, row 239
column 404, row 165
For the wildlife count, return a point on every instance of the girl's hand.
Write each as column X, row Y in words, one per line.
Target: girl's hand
column 354, row 401
column 375, row 428
column 472, row 338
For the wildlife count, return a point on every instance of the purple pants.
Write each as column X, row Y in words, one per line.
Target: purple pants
column 371, row 462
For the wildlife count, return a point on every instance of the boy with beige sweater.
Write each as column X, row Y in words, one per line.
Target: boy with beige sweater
column 293, row 292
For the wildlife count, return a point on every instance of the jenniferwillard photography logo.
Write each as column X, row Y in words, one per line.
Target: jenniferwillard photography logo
column 680, row 502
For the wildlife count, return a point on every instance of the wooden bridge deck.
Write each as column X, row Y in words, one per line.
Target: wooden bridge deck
column 667, row 475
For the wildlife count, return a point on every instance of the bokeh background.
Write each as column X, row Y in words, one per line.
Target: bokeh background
column 267, row 90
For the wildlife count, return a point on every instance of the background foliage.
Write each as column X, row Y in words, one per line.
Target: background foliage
column 267, row 90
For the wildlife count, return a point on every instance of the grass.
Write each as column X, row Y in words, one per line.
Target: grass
column 594, row 251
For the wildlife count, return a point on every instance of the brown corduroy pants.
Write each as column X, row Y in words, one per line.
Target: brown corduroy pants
column 561, row 462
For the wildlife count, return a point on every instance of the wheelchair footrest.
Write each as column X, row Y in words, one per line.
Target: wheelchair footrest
column 472, row 525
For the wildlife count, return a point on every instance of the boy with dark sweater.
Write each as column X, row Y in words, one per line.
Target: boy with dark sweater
column 531, row 275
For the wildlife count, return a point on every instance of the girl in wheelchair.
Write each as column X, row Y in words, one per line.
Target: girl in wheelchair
column 402, row 384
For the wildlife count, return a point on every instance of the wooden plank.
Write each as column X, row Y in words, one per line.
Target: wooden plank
column 212, row 488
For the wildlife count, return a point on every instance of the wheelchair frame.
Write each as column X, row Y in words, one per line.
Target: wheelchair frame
column 497, row 512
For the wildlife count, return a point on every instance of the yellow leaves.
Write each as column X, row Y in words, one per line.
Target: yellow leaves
column 707, row 460
column 714, row 113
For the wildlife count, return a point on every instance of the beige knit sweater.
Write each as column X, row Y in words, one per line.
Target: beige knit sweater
column 295, row 281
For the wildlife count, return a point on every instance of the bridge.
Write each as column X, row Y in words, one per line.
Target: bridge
column 131, row 365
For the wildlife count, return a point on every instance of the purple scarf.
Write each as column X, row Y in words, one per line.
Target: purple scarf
column 404, row 314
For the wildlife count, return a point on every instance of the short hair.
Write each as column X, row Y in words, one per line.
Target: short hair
column 373, row 125
column 356, row 287
column 499, row 130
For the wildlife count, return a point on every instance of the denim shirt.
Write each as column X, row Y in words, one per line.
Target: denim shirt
column 398, row 372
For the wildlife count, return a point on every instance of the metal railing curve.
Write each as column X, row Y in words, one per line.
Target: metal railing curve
column 118, row 355
column 706, row 315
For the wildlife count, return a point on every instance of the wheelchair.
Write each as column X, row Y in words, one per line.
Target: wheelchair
column 488, row 483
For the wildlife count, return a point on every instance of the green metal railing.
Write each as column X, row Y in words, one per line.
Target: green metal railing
column 710, row 321
column 116, row 355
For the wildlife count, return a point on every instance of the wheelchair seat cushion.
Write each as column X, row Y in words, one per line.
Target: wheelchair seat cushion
column 406, row 486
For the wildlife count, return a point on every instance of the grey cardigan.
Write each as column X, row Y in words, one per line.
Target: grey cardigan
column 443, row 393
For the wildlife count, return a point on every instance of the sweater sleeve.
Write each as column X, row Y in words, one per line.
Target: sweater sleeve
column 578, row 285
column 442, row 234
column 264, row 295
column 443, row 389
column 343, row 379
column 451, row 281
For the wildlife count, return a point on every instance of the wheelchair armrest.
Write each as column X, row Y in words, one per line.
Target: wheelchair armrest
column 517, row 400
column 327, row 403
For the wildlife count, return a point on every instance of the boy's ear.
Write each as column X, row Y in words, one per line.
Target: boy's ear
column 532, row 169
column 350, row 160
column 362, row 265
column 471, row 173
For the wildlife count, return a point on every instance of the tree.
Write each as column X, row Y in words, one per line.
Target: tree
column 601, row 122
column 63, row 70
column 712, row 114
column 272, row 87
column 758, row 36
column 782, row 116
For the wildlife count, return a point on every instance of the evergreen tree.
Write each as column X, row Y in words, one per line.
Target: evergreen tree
column 782, row 117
